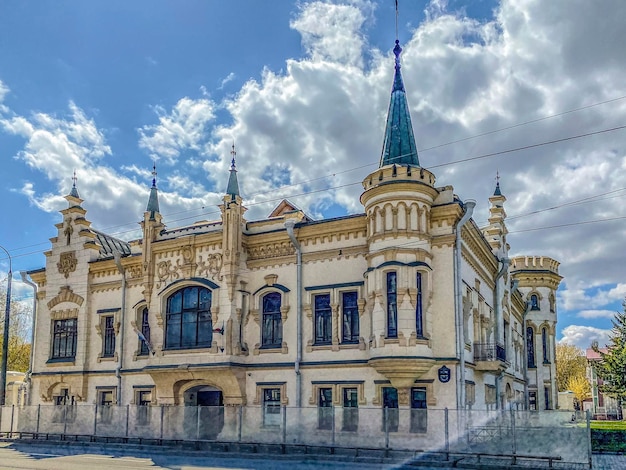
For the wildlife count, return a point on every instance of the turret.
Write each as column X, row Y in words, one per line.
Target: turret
column 152, row 227
column 496, row 232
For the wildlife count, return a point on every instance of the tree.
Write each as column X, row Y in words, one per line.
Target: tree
column 19, row 332
column 611, row 367
column 581, row 388
column 570, row 362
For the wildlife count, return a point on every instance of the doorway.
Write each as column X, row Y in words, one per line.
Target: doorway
column 204, row 412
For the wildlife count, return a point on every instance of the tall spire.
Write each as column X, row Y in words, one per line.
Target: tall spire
column 74, row 191
column 233, row 185
column 497, row 192
column 399, row 145
column 153, row 201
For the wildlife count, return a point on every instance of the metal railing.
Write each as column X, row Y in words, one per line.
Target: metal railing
column 489, row 352
column 550, row 435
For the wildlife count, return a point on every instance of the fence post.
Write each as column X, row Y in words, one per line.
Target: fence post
column 445, row 416
column 198, row 411
column 284, row 424
column 38, row 417
column 240, row 416
column 11, row 427
column 161, row 425
column 127, row 410
column 95, row 420
column 514, row 444
column 332, row 451
column 589, row 454
column 386, row 417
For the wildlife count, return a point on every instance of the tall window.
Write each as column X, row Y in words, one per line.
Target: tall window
column 419, row 321
column 143, row 400
column 108, row 344
column 546, row 397
column 419, row 413
column 350, row 314
column 392, row 305
column 188, row 319
column 530, row 346
column 323, row 319
column 106, row 402
column 271, row 407
column 272, row 332
column 145, row 331
column 545, row 346
column 325, row 412
column 534, row 302
column 391, row 416
column 350, row 410
column 64, row 339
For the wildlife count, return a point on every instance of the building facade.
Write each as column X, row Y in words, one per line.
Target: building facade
column 409, row 304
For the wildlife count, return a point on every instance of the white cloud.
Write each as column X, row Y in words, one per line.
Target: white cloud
column 583, row 336
column 184, row 128
column 596, row 314
column 229, row 78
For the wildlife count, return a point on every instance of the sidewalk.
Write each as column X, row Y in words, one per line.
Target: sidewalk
column 609, row 462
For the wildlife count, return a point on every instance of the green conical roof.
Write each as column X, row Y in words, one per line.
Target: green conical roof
column 399, row 145
column 153, row 200
column 233, row 185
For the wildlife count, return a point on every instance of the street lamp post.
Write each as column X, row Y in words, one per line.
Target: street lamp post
column 5, row 341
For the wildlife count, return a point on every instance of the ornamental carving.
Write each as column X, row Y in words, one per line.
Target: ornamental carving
column 210, row 267
column 166, row 271
column 67, row 263
column 275, row 250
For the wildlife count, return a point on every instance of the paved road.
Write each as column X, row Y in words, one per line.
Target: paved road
column 25, row 456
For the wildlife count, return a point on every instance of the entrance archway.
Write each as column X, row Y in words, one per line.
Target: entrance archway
column 203, row 412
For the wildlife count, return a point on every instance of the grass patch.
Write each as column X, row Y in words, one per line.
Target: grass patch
column 609, row 425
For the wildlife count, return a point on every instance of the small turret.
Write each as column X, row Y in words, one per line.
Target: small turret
column 153, row 200
column 232, row 189
column 496, row 232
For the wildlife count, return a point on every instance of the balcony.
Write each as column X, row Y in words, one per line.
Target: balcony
column 490, row 357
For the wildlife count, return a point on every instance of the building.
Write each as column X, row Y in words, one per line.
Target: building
column 601, row 406
column 408, row 305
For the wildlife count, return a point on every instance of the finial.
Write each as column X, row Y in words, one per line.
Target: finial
column 396, row 21
column 74, row 191
column 234, row 154
column 74, row 179
column 154, row 174
column 497, row 192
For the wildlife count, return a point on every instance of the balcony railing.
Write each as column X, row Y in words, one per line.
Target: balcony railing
column 489, row 352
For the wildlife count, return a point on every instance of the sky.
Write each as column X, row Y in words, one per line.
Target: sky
column 533, row 91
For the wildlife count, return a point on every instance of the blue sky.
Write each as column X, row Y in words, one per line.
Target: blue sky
column 107, row 87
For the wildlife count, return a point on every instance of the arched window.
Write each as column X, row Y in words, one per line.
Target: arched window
column 530, row 346
column 188, row 319
column 419, row 317
column 534, row 302
column 144, row 343
column 272, row 329
column 544, row 344
column 392, row 304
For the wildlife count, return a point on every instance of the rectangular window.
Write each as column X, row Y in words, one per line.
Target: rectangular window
column 532, row 400
column 392, row 305
column 350, row 316
column 108, row 343
column 64, row 339
column 65, row 412
column 143, row 401
column 546, row 397
column 419, row 320
column 325, row 411
column 391, row 416
column 271, row 407
column 419, row 413
column 470, row 393
column 323, row 319
column 105, row 405
column 350, row 410
column 490, row 396
column 530, row 346
column 144, row 349
column 272, row 329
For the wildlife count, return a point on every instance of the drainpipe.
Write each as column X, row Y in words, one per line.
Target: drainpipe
column 498, row 334
column 118, row 372
column 25, row 280
column 289, row 225
column 458, row 305
column 525, row 358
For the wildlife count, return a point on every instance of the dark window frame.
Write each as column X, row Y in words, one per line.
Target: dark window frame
column 392, row 304
column 350, row 331
column 271, row 321
column 419, row 313
column 323, row 327
column 64, row 338
column 144, row 350
column 350, row 421
column 108, row 336
column 530, row 347
column 189, row 322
